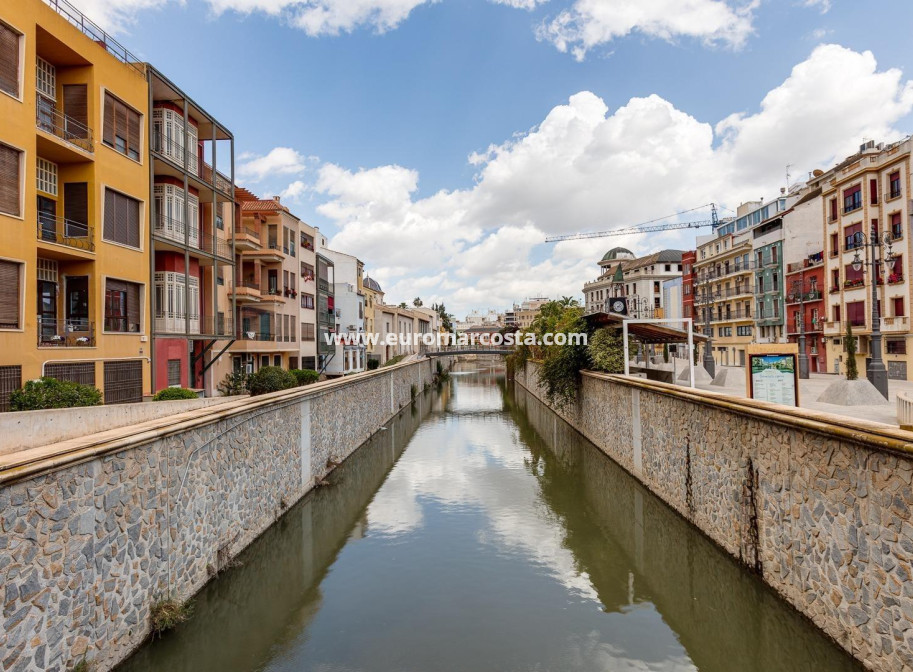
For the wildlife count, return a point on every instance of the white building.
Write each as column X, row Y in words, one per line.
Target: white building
column 350, row 313
column 638, row 280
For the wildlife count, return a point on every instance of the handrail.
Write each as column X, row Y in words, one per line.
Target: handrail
column 63, row 231
column 53, row 121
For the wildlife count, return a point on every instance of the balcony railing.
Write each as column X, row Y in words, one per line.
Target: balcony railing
column 173, row 150
column 798, row 297
column 173, row 229
column 96, row 34
column 852, row 206
column 121, row 324
column 255, row 335
column 65, row 232
column 731, row 315
column 217, row 246
column 53, row 121
column 891, row 195
column 70, row 333
column 169, row 322
column 222, row 183
column 247, row 231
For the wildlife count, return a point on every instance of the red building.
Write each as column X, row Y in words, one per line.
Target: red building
column 688, row 259
column 803, row 291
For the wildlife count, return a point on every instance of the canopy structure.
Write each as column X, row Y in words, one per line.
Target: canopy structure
column 649, row 331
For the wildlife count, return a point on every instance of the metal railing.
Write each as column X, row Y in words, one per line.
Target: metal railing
column 812, row 295
column 174, row 152
column 67, row 333
column 173, row 229
column 65, row 232
column 121, row 324
column 891, row 195
column 53, row 121
column 247, row 231
column 91, row 30
column 255, row 335
column 217, row 246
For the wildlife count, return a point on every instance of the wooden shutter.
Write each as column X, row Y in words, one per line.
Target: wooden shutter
column 133, row 132
column 9, row 60
column 108, row 126
column 9, row 295
column 120, row 120
column 76, row 107
column 121, row 219
column 76, row 202
column 10, row 181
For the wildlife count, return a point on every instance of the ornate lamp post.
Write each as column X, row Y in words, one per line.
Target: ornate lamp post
column 876, row 373
column 799, row 288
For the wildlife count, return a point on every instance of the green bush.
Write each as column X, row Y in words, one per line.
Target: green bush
column 174, row 393
column 606, row 351
column 271, row 379
column 373, row 364
column 234, row 383
column 53, row 393
column 394, row 360
column 305, row 376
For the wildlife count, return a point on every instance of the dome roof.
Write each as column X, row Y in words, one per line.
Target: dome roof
column 371, row 284
column 618, row 253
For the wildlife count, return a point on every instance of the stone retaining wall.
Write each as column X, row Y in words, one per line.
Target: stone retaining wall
column 817, row 504
column 93, row 531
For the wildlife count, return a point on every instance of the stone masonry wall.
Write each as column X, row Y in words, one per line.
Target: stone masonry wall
column 87, row 547
column 822, row 513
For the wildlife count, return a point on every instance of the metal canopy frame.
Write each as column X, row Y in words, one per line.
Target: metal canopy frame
column 679, row 320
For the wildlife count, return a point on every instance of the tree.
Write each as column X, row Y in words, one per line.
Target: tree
column 852, row 371
column 560, row 365
column 666, row 353
column 606, row 351
column 403, row 305
column 446, row 318
column 417, row 302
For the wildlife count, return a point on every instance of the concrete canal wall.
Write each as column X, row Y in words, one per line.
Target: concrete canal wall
column 817, row 504
column 94, row 530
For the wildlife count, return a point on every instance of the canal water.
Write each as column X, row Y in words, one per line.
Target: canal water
column 479, row 532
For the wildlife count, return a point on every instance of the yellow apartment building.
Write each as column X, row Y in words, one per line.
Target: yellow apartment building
column 74, row 189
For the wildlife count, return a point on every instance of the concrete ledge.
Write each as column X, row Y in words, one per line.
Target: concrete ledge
column 29, row 429
column 872, row 434
column 15, row 466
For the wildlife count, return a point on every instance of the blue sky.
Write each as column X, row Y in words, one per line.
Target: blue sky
column 379, row 122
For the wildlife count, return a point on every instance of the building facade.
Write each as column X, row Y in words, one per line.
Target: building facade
column 868, row 193
column 349, row 314
column 638, row 280
column 74, row 207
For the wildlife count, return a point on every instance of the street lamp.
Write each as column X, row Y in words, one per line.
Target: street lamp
column 799, row 288
column 876, row 372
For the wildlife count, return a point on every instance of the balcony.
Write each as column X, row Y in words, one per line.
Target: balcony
column 799, row 297
column 810, row 262
column 732, row 316
column 264, row 336
column 174, row 152
column 852, row 206
column 218, row 247
column 246, row 238
column 273, row 294
column 811, row 327
column 245, row 292
column 172, row 229
column 222, row 183
column 174, row 323
column 56, row 123
column 72, row 333
column 893, row 194
column 894, row 324
column 769, row 317
column 62, row 231
column 271, row 253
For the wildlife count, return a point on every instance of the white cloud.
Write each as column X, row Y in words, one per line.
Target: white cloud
column 590, row 23
column 586, row 168
column 823, row 5
column 294, row 191
column 279, row 161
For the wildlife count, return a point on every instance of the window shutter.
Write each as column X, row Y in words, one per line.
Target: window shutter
column 120, row 120
column 9, row 295
column 133, row 308
column 121, row 219
column 10, row 181
column 75, row 106
column 133, row 131
column 9, row 60
column 108, row 130
column 76, row 203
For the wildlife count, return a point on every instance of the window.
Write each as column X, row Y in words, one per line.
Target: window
column 896, row 346
column 307, row 301
column 898, row 306
column 10, row 180
column 896, row 226
column 852, row 198
column 122, row 306
column 855, row 313
column 169, row 214
column 220, row 224
column 9, row 60
column 45, row 78
column 850, row 239
column 833, row 210
column 10, row 294
column 174, row 372
column 836, row 313
column 121, row 221
column 77, row 302
column 743, row 331
column 835, row 245
column 46, row 177
column 853, row 277
column 307, row 331
column 168, row 131
column 277, row 360
column 121, row 129
column 894, row 184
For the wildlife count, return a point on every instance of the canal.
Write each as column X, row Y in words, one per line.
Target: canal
column 480, row 532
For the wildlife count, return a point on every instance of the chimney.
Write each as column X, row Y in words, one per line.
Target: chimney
column 276, row 198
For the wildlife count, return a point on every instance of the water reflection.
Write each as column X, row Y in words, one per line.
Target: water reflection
column 500, row 540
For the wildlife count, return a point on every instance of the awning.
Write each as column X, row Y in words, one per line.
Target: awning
column 643, row 332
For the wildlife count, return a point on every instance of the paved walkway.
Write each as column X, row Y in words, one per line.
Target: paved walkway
column 811, row 389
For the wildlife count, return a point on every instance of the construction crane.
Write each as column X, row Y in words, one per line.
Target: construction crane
column 647, row 227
